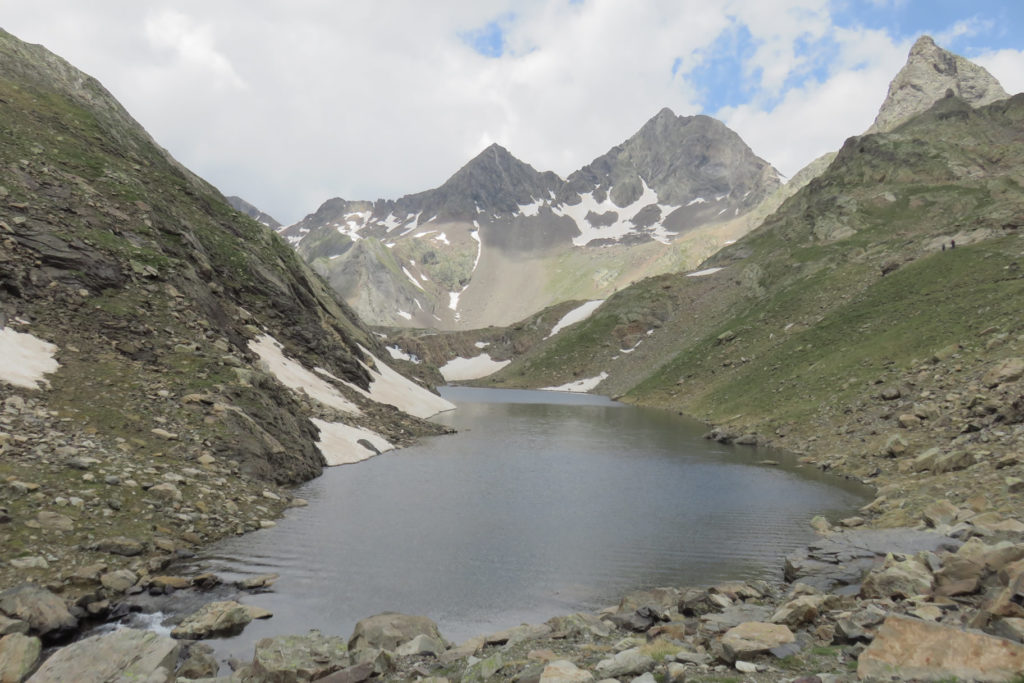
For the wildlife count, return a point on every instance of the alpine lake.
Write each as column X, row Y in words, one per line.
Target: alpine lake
column 543, row 503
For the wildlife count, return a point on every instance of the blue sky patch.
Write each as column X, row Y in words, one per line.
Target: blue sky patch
column 990, row 23
column 719, row 78
column 489, row 39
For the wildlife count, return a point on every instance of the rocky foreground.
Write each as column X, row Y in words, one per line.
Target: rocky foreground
column 942, row 601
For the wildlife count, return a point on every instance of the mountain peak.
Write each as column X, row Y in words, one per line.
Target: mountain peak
column 931, row 73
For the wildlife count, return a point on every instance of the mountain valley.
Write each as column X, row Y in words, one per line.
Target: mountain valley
column 173, row 361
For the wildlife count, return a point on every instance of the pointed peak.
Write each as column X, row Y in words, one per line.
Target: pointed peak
column 665, row 113
column 495, row 148
column 925, row 41
column 930, row 73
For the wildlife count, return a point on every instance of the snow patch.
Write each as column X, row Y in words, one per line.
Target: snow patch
column 580, row 386
column 294, row 376
column 389, row 387
column 443, row 238
column 25, row 359
column 702, row 273
column 340, row 443
column 475, row 234
column 623, row 224
column 412, row 278
column 453, row 300
column 398, row 353
column 578, row 314
column 482, row 345
column 696, row 200
column 531, row 209
column 405, row 314
column 471, row 368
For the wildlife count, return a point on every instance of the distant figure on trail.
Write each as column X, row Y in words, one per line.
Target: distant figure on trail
column 952, row 244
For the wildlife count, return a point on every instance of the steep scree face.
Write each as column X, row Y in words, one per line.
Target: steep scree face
column 152, row 288
column 500, row 240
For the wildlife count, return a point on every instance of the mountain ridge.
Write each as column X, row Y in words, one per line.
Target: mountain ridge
column 497, row 211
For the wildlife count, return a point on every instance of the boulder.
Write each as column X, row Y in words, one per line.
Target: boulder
column 45, row 612
column 631, row 662
column 753, row 638
column 906, row 648
column 421, row 645
column 120, row 545
column 389, row 630
column 952, row 462
column 799, row 611
column 9, row 626
column 484, row 670
column 200, row 663
column 1007, row 370
column 222, row 618
column 356, row 674
column 119, row 580
column 564, row 671
column 898, row 579
column 578, row 624
column 940, row 513
column 289, row 659
column 18, row 656
column 123, row 655
column 54, row 521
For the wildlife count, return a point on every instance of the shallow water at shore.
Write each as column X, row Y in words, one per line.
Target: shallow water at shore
column 543, row 504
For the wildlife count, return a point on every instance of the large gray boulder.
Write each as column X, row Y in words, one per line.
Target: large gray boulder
column 45, row 612
column 289, row 659
column 122, row 655
column 389, row 630
column 222, row 618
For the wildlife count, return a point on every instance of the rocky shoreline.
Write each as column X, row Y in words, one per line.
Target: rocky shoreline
column 846, row 608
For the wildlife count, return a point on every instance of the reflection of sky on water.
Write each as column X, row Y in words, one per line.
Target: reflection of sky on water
column 531, row 510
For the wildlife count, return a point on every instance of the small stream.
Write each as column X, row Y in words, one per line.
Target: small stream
column 543, row 503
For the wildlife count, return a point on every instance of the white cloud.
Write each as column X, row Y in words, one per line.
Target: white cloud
column 1007, row 66
column 288, row 104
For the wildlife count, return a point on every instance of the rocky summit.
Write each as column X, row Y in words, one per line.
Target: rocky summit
column 500, row 240
column 929, row 75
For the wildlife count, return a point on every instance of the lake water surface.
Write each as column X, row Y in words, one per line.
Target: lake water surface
column 544, row 503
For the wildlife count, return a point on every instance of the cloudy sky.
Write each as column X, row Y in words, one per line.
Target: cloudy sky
column 290, row 102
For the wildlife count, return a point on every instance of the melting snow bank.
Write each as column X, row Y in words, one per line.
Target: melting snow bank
column 398, row 353
column 702, row 273
column 294, row 376
column 471, row 368
column 342, row 444
column 580, row 386
column 394, row 389
column 576, row 315
column 24, row 359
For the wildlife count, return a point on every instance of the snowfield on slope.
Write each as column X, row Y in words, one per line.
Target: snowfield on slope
column 460, row 368
column 25, row 359
column 339, row 443
column 580, row 386
column 576, row 315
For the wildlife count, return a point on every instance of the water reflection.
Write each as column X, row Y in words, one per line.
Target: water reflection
column 541, row 504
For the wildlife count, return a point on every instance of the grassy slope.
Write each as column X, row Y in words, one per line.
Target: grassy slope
column 815, row 320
